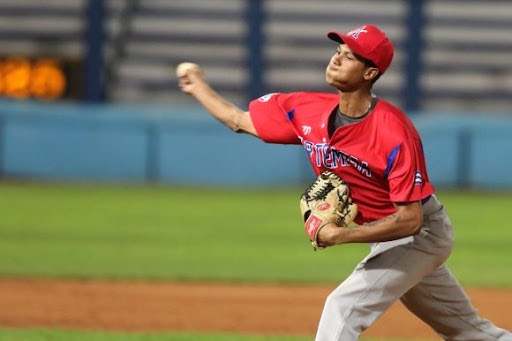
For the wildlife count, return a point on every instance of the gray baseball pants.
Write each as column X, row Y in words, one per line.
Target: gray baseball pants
column 414, row 273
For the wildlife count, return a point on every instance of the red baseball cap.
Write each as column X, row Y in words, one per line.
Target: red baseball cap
column 369, row 42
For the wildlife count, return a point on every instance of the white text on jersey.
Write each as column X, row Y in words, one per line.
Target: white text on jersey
column 324, row 155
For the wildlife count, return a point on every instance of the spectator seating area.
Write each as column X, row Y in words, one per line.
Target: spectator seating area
column 466, row 60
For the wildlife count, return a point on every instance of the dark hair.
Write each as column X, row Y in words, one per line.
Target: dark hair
column 369, row 63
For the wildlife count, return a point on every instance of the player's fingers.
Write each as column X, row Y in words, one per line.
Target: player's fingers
column 185, row 85
column 183, row 81
column 194, row 75
column 182, row 84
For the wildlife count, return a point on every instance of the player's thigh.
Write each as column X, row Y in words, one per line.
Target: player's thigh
column 372, row 288
column 440, row 301
column 394, row 272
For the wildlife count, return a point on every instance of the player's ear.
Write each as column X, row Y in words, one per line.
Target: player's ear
column 371, row 73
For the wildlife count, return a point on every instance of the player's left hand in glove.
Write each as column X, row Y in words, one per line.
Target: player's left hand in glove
column 326, row 201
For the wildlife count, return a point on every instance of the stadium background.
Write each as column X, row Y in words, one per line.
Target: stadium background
column 89, row 99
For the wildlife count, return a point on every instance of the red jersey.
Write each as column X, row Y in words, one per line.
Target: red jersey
column 380, row 157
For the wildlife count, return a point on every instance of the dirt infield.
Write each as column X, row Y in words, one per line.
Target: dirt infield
column 162, row 306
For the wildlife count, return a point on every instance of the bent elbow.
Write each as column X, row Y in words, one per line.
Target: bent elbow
column 237, row 123
column 242, row 123
column 416, row 230
column 417, row 225
column 234, row 124
column 236, row 128
column 411, row 217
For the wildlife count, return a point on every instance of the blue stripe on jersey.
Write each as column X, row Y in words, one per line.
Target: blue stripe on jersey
column 289, row 115
column 424, row 200
column 391, row 159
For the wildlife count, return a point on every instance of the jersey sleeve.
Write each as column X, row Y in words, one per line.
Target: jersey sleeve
column 408, row 179
column 271, row 116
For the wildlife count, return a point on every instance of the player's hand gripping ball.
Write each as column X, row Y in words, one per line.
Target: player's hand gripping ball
column 326, row 200
column 183, row 68
column 189, row 77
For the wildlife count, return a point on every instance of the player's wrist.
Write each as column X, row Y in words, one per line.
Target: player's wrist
column 200, row 88
column 331, row 234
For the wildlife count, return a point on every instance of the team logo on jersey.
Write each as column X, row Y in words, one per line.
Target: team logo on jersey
column 306, row 130
column 418, row 180
column 267, row 97
column 323, row 155
column 356, row 32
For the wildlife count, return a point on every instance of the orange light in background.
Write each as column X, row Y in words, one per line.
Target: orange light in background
column 2, row 86
column 47, row 80
column 17, row 77
column 22, row 78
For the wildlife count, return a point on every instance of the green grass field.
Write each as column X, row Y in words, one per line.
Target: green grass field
column 162, row 233
column 51, row 335
column 219, row 235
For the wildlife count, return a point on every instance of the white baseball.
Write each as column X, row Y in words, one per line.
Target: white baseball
column 182, row 68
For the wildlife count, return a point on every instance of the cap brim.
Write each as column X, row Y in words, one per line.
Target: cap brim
column 348, row 40
column 336, row 36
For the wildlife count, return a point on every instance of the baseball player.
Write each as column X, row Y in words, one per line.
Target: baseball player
column 374, row 147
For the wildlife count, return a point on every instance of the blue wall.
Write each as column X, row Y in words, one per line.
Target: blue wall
column 186, row 146
column 468, row 150
column 135, row 144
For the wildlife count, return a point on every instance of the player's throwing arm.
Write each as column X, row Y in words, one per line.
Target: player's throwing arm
column 191, row 81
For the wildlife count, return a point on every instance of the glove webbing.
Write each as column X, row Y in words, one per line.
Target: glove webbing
column 318, row 193
column 315, row 192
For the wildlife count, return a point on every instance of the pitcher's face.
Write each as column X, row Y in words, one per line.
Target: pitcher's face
column 346, row 71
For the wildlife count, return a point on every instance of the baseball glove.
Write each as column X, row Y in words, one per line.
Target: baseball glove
column 326, row 200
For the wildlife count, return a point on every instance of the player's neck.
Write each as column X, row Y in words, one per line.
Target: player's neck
column 355, row 104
